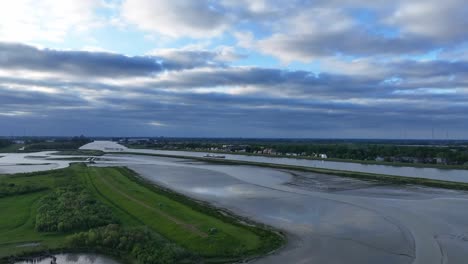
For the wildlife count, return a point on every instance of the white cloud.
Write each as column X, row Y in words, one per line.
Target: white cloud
column 15, row 113
column 365, row 66
column 245, row 39
column 176, row 18
column 91, row 48
column 157, row 124
column 49, row 20
column 303, row 37
column 445, row 20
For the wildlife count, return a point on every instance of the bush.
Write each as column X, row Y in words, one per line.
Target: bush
column 7, row 189
column 71, row 209
column 140, row 244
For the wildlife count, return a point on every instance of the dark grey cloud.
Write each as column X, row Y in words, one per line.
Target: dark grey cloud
column 353, row 42
column 432, row 68
column 82, row 63
column 99, row 64
column 292, row 82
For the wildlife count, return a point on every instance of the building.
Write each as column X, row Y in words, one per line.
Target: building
column 379, row 159
column 323, row 156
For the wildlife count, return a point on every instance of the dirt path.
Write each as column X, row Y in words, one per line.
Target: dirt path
column 189, row 227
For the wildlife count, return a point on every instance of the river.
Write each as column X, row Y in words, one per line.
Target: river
column 455, row 175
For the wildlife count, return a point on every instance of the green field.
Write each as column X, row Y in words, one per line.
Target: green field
column 195, row 227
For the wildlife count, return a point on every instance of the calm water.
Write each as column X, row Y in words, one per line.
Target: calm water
column 30, row 162
column 431, row 173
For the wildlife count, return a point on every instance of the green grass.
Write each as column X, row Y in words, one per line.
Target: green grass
column 17, row 225
column 176, row 220
column 135, row 203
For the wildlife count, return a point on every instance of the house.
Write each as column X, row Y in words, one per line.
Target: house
column 269, row 151
column 379, row 159
column 323, row 156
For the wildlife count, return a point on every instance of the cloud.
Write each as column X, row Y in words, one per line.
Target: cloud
column 177, row 18
column 48, row 20
column 306, row 32
column 78, row 63
column 188, row 58
column 96, row 93
column 442, row 22
column 104, row 64
column 156, row 124
column 318, row 33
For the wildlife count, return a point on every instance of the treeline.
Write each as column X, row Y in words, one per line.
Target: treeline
column 5, row 143
column 71, row 209
column 423, row 154
column 140, row 244
column 62, row 144
column 8, row 189
column 456, row 154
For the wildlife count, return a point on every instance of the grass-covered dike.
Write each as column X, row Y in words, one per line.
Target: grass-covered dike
column 113, row 211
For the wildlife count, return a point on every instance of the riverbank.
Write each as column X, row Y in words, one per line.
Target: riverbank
column 350, row 174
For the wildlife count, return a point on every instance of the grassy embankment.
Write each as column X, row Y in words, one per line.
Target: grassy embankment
column 350, row 174
column 135, row 203
column 365, row 162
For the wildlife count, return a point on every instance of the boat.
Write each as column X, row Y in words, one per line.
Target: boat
column 214, row 156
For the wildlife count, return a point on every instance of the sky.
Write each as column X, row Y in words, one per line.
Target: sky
column 234, row 68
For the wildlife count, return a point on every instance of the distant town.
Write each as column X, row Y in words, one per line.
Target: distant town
column 393, row 151
column 367, row 151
